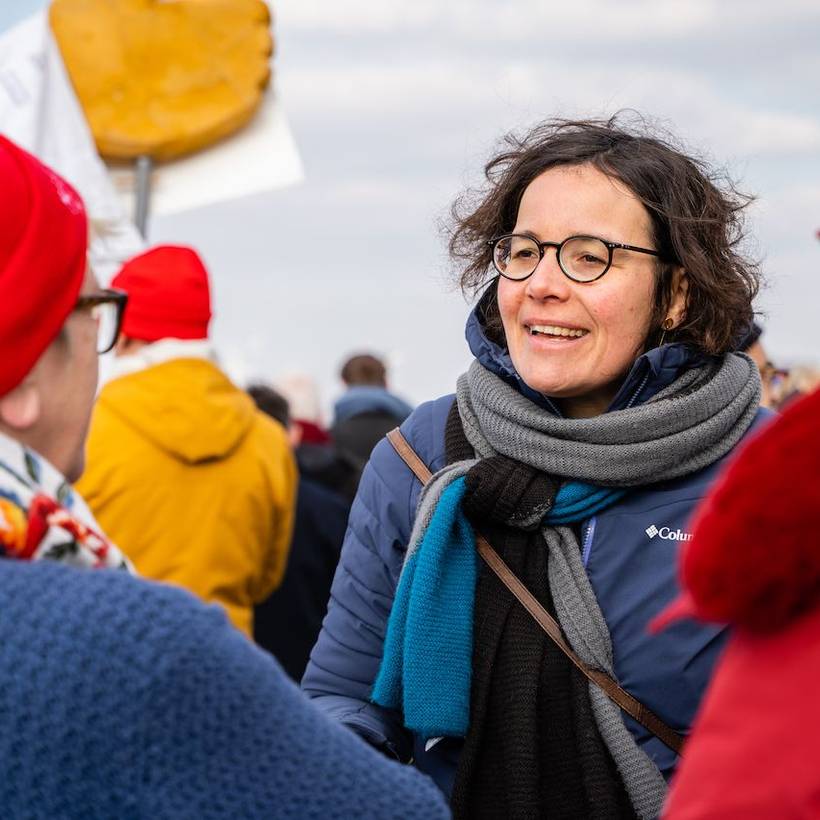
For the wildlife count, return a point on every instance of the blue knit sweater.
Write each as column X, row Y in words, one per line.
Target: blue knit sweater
column 124, row 699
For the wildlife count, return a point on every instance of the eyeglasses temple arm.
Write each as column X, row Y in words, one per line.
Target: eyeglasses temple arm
column 612, row 245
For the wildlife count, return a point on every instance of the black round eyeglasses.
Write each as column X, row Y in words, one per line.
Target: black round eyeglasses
column 581, row 258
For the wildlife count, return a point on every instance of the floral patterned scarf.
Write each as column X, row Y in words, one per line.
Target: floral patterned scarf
column 42, row 518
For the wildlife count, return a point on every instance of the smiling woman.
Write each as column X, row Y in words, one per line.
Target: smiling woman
column 692, row 219
column 603, row 397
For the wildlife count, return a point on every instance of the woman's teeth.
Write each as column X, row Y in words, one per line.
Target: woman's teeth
column 554, row 330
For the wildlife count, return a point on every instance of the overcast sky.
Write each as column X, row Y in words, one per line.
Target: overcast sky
column 395, row 106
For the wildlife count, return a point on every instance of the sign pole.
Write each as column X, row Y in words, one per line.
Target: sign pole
column 144, row 167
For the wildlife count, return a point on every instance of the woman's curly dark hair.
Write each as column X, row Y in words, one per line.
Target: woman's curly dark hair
column 696, row 215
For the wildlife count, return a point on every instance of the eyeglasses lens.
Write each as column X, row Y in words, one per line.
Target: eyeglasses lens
column 516, row 257
column 584, row 258
column 106, row 318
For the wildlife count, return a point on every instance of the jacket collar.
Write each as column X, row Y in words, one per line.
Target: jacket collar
column 649, row 374
column 363, row 398
column 161, row 351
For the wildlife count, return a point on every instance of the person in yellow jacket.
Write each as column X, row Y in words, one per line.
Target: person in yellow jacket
column 194, row 484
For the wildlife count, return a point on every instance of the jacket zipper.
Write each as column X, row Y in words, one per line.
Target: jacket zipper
column 638, row 391
column 589, row 532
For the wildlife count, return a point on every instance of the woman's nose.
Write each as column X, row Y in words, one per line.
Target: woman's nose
column 548, row 280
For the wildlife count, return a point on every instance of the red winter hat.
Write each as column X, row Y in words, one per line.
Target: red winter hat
column 168, row 295
column 753, row 559
column 43, row 241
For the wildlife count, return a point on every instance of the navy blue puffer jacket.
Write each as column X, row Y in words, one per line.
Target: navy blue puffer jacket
column 630, row 551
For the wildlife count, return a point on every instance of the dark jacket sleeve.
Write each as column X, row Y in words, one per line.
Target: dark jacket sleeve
column 345, row 661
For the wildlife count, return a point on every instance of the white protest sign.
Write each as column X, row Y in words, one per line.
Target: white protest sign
column 40, row 112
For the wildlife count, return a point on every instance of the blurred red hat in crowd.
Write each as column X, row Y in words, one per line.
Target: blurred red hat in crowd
column 168, row 294
column 43, row 243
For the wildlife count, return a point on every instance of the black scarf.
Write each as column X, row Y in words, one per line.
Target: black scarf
column 533, row 749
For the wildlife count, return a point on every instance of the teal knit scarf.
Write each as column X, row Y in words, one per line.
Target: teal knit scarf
column 426, row 667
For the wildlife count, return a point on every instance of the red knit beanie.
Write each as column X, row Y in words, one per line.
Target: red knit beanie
column 43, row 241
column 168, row 295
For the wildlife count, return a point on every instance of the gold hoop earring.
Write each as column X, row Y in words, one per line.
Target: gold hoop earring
column 667, row 324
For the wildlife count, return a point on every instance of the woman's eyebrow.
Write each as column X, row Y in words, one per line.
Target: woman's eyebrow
column 534, row 235
column 525, row 232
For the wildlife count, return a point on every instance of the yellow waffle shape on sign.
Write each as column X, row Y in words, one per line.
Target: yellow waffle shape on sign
column 164, row 78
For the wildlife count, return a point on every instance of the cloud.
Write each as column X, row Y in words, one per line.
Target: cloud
column 395, row 107
column 585, row 21
column 791, row 216
column 493, row 94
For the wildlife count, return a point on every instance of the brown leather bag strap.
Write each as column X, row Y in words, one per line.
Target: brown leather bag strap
column 409, row 456
column 616, row 693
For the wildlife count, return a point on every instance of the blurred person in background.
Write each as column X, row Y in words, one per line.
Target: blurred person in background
column 192, row 481
column 771, row 376
column 288, row 622
column 790, row 384
column 316, row 452
column 752, row 346
column 600, row 406
column 119, row 697
column 367, row 410
column 780, row 386
column 302, row 394
column 753, row 562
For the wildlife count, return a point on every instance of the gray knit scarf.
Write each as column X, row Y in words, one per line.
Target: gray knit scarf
column 692, row 423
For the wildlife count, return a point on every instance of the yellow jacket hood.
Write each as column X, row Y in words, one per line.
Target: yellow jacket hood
column 186, row 407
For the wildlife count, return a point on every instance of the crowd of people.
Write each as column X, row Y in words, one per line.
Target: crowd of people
column 215, row 605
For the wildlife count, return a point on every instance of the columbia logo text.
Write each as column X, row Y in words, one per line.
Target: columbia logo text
column 668, row 534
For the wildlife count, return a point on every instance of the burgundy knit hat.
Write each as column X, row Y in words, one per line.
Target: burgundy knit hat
column 168, row 295
column 43, row 240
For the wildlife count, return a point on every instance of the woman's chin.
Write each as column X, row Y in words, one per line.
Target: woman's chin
column 553, row 382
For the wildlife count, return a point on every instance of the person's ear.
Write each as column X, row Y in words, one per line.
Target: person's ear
column 20, row 409
column 679, row 292
column 295, row 433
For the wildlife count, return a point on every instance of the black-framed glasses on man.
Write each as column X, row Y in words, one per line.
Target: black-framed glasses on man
column 581, row 258
column 107, row 307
